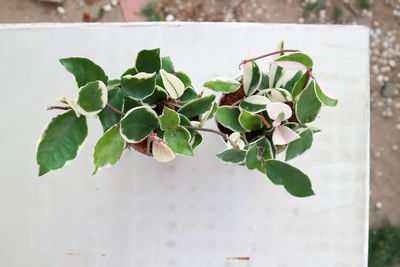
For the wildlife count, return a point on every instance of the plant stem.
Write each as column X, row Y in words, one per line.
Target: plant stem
column 245, row 138
column 115, row 110
column 267, row 55
column 225, row 136
column 58, row 107
column 264, row 120
column 308, row 78
column 238, row 102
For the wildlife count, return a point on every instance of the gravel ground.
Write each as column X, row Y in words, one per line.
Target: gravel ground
column 383, row 18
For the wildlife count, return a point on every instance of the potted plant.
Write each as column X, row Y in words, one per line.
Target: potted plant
column 150, row 108
column 156, row 111
column 267, row 113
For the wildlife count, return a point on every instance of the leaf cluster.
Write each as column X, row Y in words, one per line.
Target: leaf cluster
column 148, row 108
column 273, row 116
column 156, row 110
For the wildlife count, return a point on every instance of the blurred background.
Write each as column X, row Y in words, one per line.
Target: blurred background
column 383, row 18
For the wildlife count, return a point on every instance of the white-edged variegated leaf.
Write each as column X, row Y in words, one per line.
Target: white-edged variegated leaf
column 173, row 84
column 326, row 97
column 235, row 137
column 108, row 149
column 232, row 156
column 60, row 141
column 250, row 122
column 277, row 94
column 301, row 145
column 287, row 76
column 210, row 114
column 228, row 117
column 274, row 68
column 92, row 98
column 308, row 105
column 138, row 123
column 222, row 84
column 251, row 78
column 295, row 61
column 255, row 103
column 295, row 181
column 139, row 86
column 162, row 152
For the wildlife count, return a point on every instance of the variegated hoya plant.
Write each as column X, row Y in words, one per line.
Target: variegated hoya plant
column 266, row 113
column 155, row 110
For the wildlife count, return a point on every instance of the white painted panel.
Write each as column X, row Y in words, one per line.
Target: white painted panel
column 193, row 211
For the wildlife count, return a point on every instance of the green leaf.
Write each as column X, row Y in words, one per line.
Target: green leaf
column 130, row 104
column 257, row 154
column 308, row 105
column 108, row 149
column 158, row 95
column 178, row 140
column 251, row 78
column 131, row 71
column 140, row 86
column 325, row 97
column 109, row 118
column 113, row 83
column 184, row 78
column 138, row 123
column 295, row 181
column 249, row 122
column 253, row 158
column 84, row 70
column 197, row 106
column 197, row 139
column 166, row 64
column 229, row 117
column 254, row 103
column 172, row 84
column 265, row 146
column 169, row 119
column 60, row 141
column 290, row 84
column 148, row 61
column 92, row 98
column 299, row 58
column 188, row 94
column 299, row 85
column 225, row 85
column 299, row 146
column 264, row 81
column 210, row 114
column 232, row 156
column 276, row 72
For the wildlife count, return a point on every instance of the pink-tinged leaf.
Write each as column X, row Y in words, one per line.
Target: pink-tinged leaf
column 290, row 65
column 162, row 152
column 276, row 123
column 276, row 108
column 325, row 96
column 284, row 135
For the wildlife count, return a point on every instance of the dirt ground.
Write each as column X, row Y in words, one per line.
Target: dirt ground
column 383, row 18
